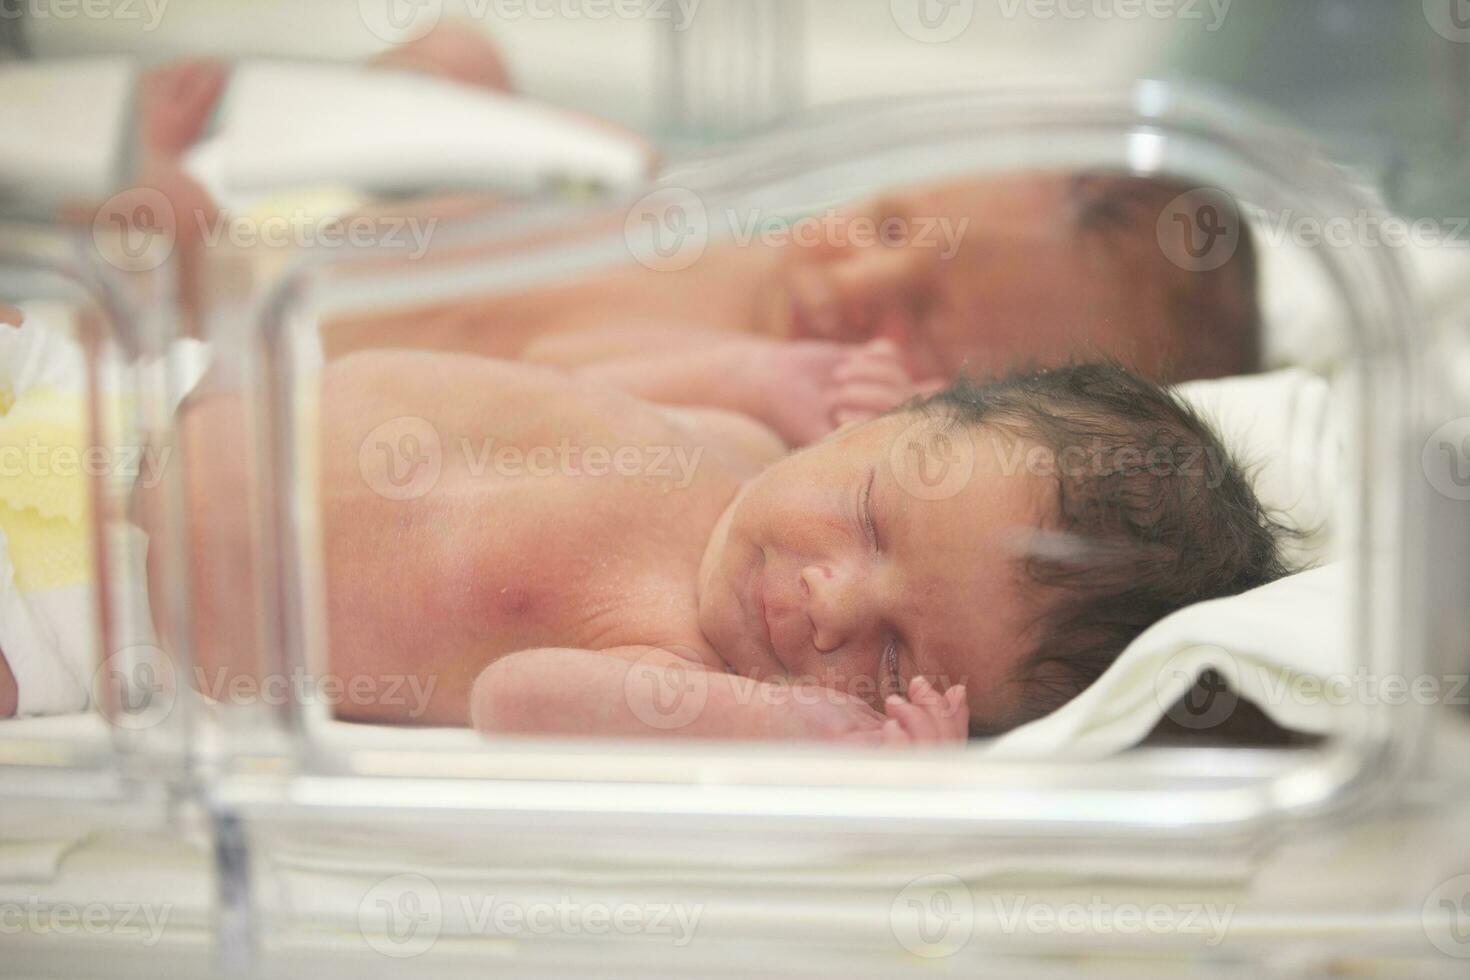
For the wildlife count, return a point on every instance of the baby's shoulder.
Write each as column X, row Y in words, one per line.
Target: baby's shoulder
column 747, row 441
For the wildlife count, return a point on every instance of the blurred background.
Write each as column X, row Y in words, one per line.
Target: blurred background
column 1386, row 84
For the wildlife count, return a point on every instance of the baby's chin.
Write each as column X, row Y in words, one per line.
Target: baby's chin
column 722, row 622
column 723, row 617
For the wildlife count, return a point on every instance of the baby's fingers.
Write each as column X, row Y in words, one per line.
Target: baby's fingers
column 918, row 722
column 921, row 692
column 880, row 347
column 868, row 397
column 856, row 367
column 947, row 715
column 957, row 715
column 842, row 417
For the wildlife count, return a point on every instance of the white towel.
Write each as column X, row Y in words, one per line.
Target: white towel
column 1284, row 647
column 286, row 125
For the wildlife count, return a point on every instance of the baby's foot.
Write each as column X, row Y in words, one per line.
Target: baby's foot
column 457, row 51
column 174, row 101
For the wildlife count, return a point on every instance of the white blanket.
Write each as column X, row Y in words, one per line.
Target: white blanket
column 1285, row 647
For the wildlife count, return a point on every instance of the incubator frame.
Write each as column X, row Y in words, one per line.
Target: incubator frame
column 286, row 769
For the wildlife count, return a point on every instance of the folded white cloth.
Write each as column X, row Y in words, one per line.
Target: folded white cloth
column 1283, row 647
column 287, row 126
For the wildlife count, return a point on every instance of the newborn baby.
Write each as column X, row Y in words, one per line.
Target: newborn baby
column 548, row 555
column 1040, row 268
column 1046, row 268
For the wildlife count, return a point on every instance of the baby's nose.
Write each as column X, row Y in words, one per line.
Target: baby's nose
column 828, row 606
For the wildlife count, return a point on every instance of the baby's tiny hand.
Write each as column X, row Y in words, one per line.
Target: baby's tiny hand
column 807, row 388
column 824, row 713
column 793, row 385
column 869, row 381
column 927, row 716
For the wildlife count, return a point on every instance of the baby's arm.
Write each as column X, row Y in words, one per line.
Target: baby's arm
column 607, row 338
column 728, row 375
column 801, row 389
column 649, row 692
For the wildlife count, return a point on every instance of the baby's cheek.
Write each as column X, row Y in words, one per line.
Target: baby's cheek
column 854, row 676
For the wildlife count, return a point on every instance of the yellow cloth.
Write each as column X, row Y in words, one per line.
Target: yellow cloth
column 44, row 510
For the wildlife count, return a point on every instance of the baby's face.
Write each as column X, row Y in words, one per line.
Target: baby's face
column 886, row 551
column 990, row 274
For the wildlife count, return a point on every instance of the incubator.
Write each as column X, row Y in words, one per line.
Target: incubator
column 191, row 796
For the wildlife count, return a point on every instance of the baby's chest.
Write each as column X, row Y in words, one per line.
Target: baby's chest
column 574, row 569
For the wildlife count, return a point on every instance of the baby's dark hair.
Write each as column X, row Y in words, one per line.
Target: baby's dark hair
column 1151, row 514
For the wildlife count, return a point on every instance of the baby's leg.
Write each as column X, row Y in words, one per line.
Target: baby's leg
column 174, row 102
column 459, row 52
column 800, row 389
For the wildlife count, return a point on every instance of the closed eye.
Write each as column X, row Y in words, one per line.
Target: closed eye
column 865, row 511
column 889, row 678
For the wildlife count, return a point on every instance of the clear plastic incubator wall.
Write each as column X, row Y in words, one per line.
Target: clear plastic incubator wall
column 196, row 780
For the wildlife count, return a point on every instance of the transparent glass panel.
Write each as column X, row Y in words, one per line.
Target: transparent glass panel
column 1015, row 190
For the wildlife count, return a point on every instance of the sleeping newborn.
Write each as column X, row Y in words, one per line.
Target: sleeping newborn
column 542, row 554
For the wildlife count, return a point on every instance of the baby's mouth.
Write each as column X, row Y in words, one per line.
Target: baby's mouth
column 758, row 605
column 758, row 611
